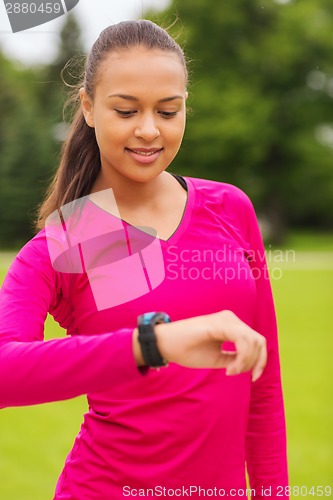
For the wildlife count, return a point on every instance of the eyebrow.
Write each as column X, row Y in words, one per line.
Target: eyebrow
column 132, row 98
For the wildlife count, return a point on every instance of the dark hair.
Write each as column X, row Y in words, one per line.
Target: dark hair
column 80, row 158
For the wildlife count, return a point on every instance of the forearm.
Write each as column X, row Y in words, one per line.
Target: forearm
column 176, row 340
column 197, row 342
column 170, row 337
column 40, row 372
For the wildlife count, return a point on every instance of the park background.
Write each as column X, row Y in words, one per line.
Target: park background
column 261, row 117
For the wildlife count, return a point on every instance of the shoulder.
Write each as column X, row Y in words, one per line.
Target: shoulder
column 34, row 255
column 37, row 246
column 31, row 280
column 229, row 204
column 225, row 194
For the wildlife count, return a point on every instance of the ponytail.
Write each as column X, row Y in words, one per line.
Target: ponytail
column 77, row 172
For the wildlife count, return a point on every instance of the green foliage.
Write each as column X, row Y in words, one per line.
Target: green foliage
column 262, row 108
column 31, row 107
column 262, row 96
column 66, row 69
column 26, row 149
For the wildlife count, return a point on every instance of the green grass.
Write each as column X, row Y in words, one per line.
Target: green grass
column 304, row 300
column 307, row 241
column 35, row 441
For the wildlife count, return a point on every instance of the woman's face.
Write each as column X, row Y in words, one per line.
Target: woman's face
column 138, row 113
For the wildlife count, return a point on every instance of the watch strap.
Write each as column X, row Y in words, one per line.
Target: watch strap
column 148, row 340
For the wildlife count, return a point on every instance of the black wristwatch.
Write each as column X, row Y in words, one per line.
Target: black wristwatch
column 147, row 338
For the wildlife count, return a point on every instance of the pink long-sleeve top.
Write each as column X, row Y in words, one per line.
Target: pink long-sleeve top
column 170, row 431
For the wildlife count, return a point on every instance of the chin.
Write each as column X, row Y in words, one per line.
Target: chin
column 146, row 174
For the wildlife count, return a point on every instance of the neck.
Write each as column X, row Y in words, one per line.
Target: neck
column 131, row 193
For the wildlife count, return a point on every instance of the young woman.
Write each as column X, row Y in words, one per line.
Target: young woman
column 185, row 429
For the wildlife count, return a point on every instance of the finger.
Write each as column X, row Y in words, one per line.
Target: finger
column 245, row 355
column 258, row 352
column 226, row 358
column 240, row 364
column 248, row 354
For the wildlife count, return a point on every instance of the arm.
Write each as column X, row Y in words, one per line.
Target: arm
column 266, row 435
column 33, row 371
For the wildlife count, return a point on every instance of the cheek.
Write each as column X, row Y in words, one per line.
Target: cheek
column 111, row 132
column 176, row 135
column 175, row 130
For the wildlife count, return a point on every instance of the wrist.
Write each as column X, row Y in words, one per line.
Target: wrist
column 137, row 352
column 175, row 340
column 137, row 349
column 147, row 338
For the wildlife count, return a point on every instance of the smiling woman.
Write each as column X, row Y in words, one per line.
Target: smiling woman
column 142, row 125
column 215, row 410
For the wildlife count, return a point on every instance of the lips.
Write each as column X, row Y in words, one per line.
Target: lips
column 144, row 155
column 144, row 151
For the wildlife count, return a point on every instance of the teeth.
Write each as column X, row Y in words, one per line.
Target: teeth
column 144, row 153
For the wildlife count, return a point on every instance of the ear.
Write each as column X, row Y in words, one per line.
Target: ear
column 186, row 96
column 87, row 108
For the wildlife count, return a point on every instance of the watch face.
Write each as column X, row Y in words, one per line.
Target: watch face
column 155, row 317
column 147, row 317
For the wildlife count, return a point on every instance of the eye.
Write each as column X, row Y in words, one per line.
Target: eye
column 168, row 114
column 125, row 114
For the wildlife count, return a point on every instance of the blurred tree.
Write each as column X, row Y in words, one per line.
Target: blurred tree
column 262, row 102
column 26, row 150
column 67, row 66
column 31, row 108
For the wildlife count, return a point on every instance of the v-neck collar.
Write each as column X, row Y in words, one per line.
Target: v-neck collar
column 183, row 223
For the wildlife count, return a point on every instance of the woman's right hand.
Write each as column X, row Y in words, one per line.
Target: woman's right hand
column 196, row 343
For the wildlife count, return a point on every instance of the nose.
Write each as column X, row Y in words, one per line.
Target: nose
column 147, row 128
